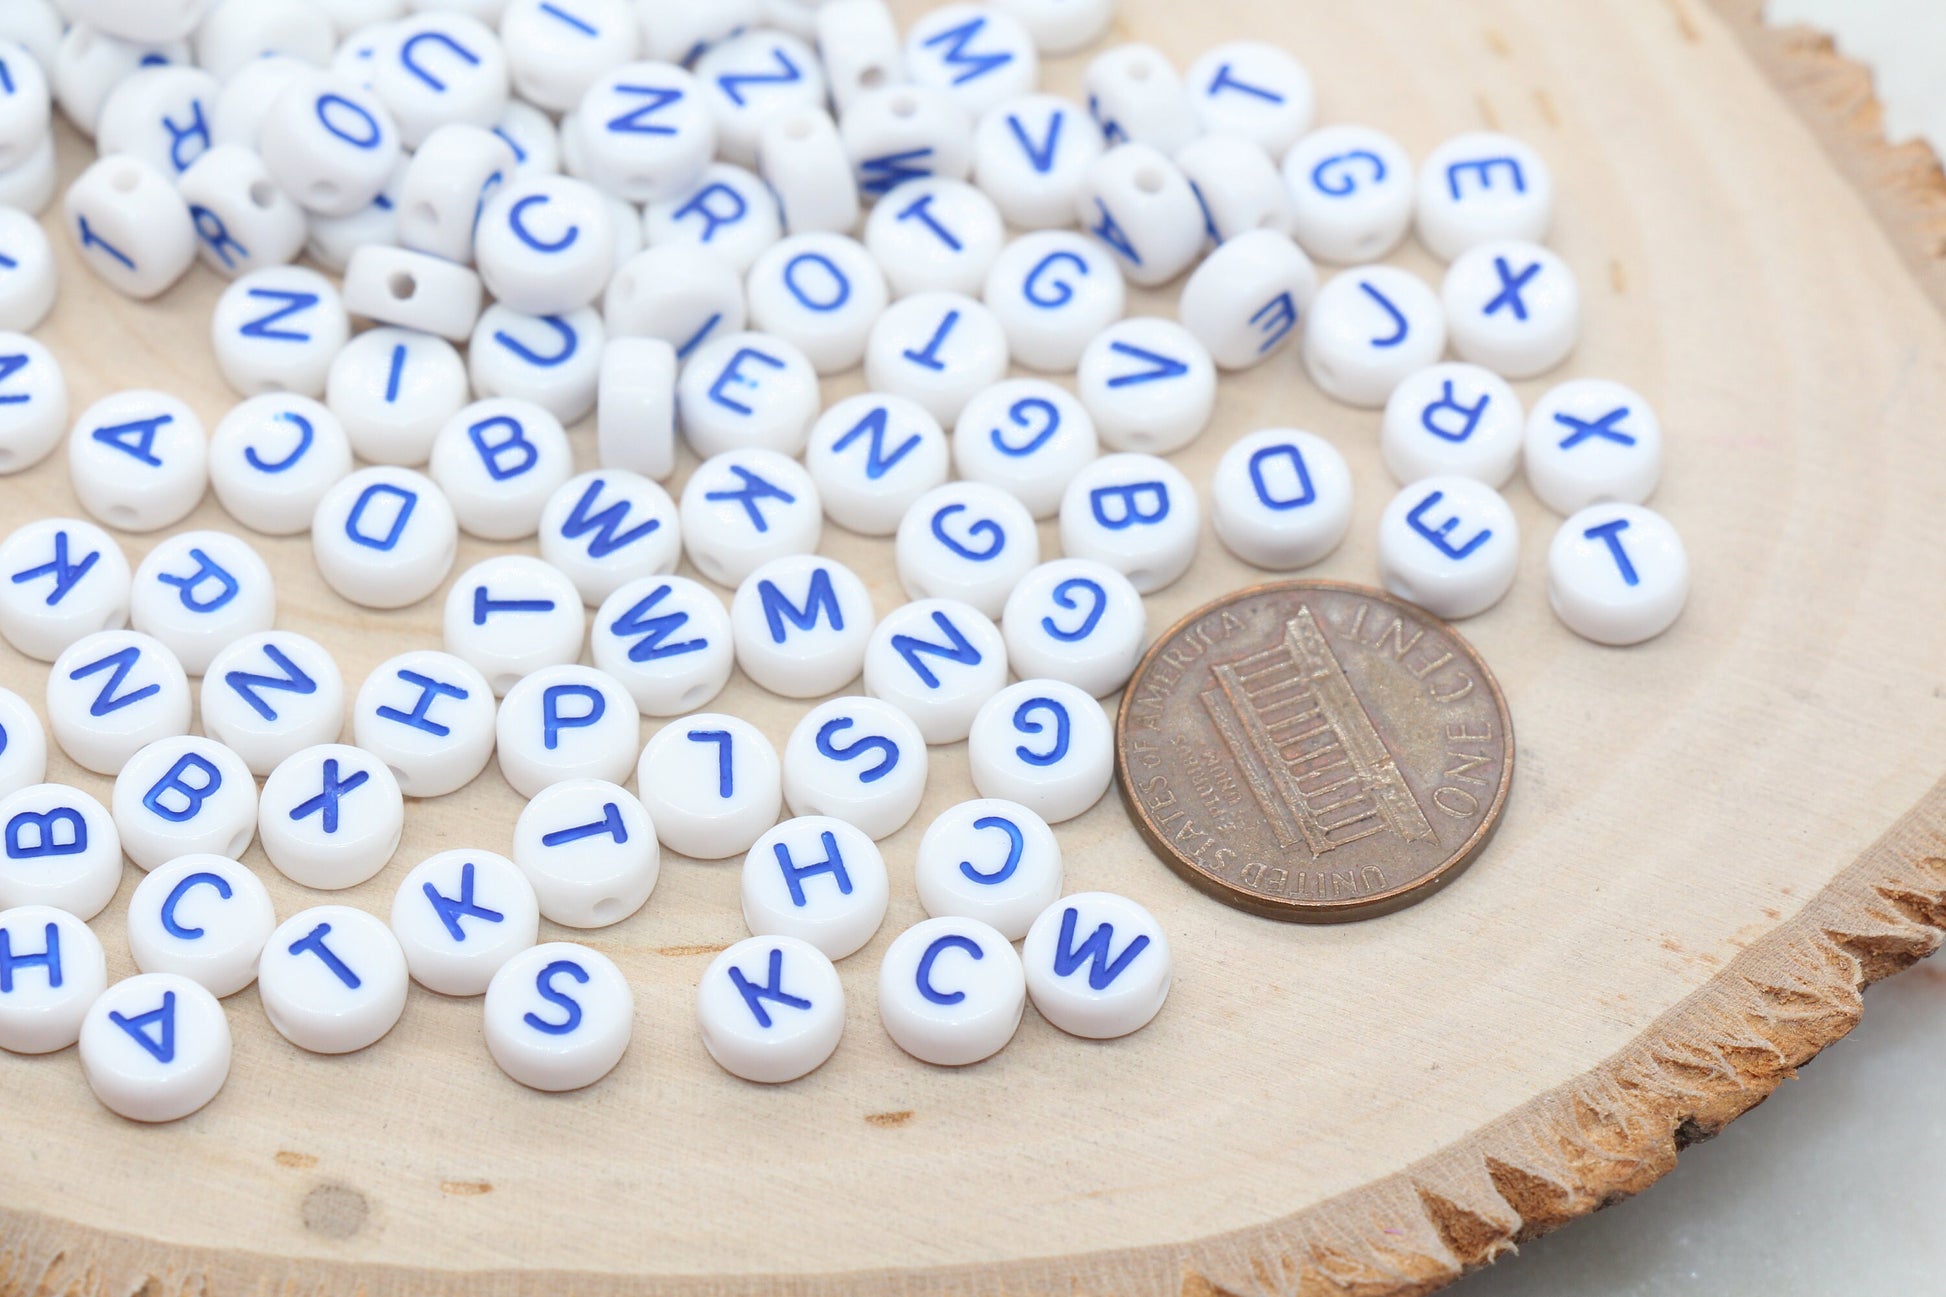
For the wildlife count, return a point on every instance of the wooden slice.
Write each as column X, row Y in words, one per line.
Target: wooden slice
column 1712, row 842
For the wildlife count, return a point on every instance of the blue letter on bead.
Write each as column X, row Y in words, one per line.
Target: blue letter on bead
column 122, row 661
column 1400, row 329
column 636, row 120
column 430, row 691
column 754, row 994
column 207, row 570
column 407, row 502
column 873, row 425
column 544, row 984
column 888, row 750
column 313, row 941
column 840, row 292
column 1024, row 722
column 189, row 798
column 293, row 680
column 1603, row 428
column 451, row 909
column 202, row 878
column 1448, row 401
column 1132, row 512
column 1483, row 169
column 162, row 1045
column 49, row 958
column 263, row 326
column 967, row 64
column 952, row 941
column 795, row 874
column 66, row 575
column 609, row 825
column 1160, row 367
column 1045, row 410
column 754, row 488
column 1095, row 950
column 819, row 600
column 61, row 831
column 512, row 455
column 1436, row 536
column 135, row 439
column 553, row 722
column 1288, row 452
column 606, row 525
column 732, row 373
column 325, row 804
column 882, row 174
column 1610, row 534
column 698, row 204
column 1510, row 286
column 655, row 630
column 1345, row 182
column 995, row 535
column 1063, row 597
column 1016, row 848
column 306, row 434
column 957, row 649
column 725, row 768
column 732, row 83
column 1040, row 157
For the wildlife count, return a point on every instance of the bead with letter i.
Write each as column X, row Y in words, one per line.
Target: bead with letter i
column 557, row 48
column 393, row 390
column 951, row 991
column 558, row 1016
column 1098, row 965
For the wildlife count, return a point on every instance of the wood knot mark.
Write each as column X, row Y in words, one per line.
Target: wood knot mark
column 296, row 1161
column 464, row 1188
column 888, row 1120
column 335, row 1210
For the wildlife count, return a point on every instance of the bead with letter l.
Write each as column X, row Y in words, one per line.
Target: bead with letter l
column 712, row 785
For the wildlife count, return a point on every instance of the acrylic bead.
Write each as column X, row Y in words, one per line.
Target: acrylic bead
column 608, row 528
column 459, row 916
column 26, row 110
column 1617, row 574
column 969, row 541
column 238, row 117
column 1098, row 965
column 817, row 879
column 204, row 917
column 333, row 980
column 589, row 850
column 1052, row 292
column 1351, row 193
column 56, row 969
column 566, row 722
column 413, row 290
column 555, row 52
column 558, row 1016
column 1253, row 90
column 1031, row 156
column 1240, row 187
column 279, row 329
column 1244, row 303
column 1135, row 513
column 1370, row 328
column 272, row 459
column 498, row 461
column 393, row 390
column 951, row 991
column 545, row 245
column 747, row 392
column 935, row 235
column 858, row 41
column 384, row 537
column 937, row 349
column 1479, row 188
column 905, row 134
column 990, row 860
column 1281, row 499
column 750, row 78
column 668, row 640
column 130, row 226
column 512, row 615
column 60, row 850
column 330, row 816
column 444, row 186
column 1590, row 441
column 28, row 279
column 184, row 796
column 1137, row 96
column 266, row 696
column 329, row 143
column 872, row 457
column 800, row 625
column 429, row 717
column 33, row 402
column 821, row 293
column 30, row 187
column 199, row 591
column 1026, row 436
column 978, row 54
column 771, row 1009
column 712, row 785
column 646, row 132
column 553, row 361
column 729, row 211
column 89, row 63
column 160, row 115
column 243, row 221
column 635, row 424
column 23, row 745
column 1149, row 385
column 1512, row 307
column 435, row 68
column 155, row 1047
column 671, row 293
column 1453, row 418
column 1077, row 621
column 1044, row 744
column 1142, row 208
column 236, row 33
column 112, row 693
column 859, row 760
column 1450, row 545
column 65, row 578
column 531, row 134
column 334, row 238
column 936, row 660
column 742, row 509
column 1062, row 26
column 797, row 154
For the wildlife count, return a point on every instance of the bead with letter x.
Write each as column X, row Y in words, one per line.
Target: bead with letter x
column 326, row 802
column 1581, row 429
column 1510, row 286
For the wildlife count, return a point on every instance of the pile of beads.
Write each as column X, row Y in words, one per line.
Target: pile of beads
column 678, row 217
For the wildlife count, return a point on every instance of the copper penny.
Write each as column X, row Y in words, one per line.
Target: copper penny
column 1314, row 751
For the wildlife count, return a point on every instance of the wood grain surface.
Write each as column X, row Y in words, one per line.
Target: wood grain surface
column 1713, row 840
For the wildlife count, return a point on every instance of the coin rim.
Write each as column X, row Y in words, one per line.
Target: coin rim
column 1297, row 911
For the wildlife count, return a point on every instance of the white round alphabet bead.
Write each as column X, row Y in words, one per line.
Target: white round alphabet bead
column 979, row 54
column 498, row 461
column 160, row 114
column 511, row 615
column 1078, row 621
column 1031, row 155
column 1371, row 328
column 273, row 458
column 130, row 225
column 752, row 77
column 434, row 68
column 1245, row 301
column 871, row 457
column 329, row 143
column 64, row 578
column 184, row 796
column 28, row 279
column 384, row 537
column 429, row 717
column 937, row 349
column 729, row 212
column 800, row 625
column 155, row 1047
column 1590, row 441
column 1053, row 291
column 951, row 991
column 558, row 1016
column 645, row 132
column 1453, row 418
column 23, row 745
column 671, row 293
column 818, row 879
column 413, row 290
column 554, row 361
column 445, row 184
column 635, row 396
column 112, row 693
column 1238, row 184
column 58, row 848
column 821, row 293
column 1142, row 207
column 1481, row 187
column 554, row 51
column 459, row 916
column 712, row 785
column 26, row 110
column 747, row 391
column 54, row 969
column 935, row 235
column 1512, row 307
column 1351, row 193
column 1149, row 385
column 991, row 860
column 243, row 221
column 1026, row 436
column 545, row 244
column 1135, row 513
column 859, row 760
column 269, row 695
column 936, row 660
column 393, row 390
column 330, row 816
column 1281, row 499
column 1098, row 965
column 1136, row 94
column 1044, row 744
column 200, row 591
column 859, row 43
column 589, row 849
column 1450, row 545
column 33, row 399
column 743, row 508
column 1255, row 90
column 607, row 528
column 668, row 640
column 566, row 722
column 333, row 979
column 203, row 917
column 1617, row 574
column 771, row 1009
column 798, row 152
column 138, row 460
column 969, row 541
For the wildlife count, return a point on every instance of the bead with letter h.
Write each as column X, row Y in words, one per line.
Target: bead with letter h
column 817, row 879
